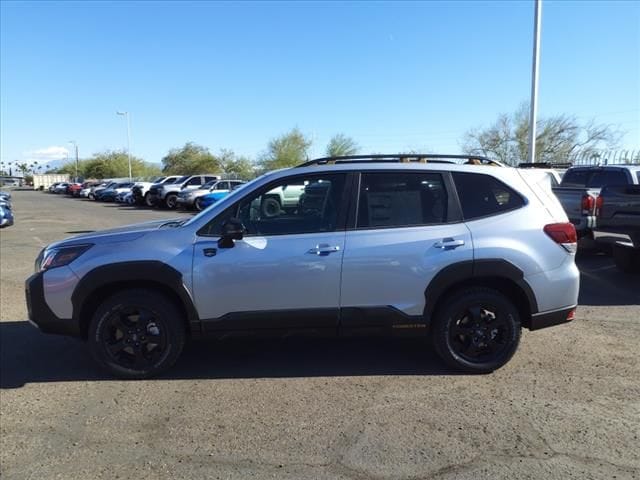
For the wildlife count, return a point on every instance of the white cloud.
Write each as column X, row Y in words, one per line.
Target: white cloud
column 47, row 154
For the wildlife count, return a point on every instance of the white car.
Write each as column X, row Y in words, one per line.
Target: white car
column 461, row 255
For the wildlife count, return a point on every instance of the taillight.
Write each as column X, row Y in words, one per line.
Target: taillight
column 599, row 204
column 587, row 204
column 564, row 234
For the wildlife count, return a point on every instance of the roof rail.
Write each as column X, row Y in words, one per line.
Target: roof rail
column 545, row 165
column 402, row 158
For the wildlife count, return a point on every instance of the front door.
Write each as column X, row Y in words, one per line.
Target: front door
column 285, row 272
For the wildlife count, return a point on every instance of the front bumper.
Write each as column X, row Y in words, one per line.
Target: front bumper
column 186, row 201
column 39, row 312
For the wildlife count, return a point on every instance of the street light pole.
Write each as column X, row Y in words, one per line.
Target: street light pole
column 73, row 142
column 533, row 107
column 126, row 114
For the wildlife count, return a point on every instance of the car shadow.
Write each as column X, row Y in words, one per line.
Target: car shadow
column 601, row 283
column 29, row 356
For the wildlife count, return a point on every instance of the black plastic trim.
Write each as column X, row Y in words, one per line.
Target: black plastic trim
column 41, row 314
column 137, row 272
column 476, row 269
column 544, row 320
column 311, row 318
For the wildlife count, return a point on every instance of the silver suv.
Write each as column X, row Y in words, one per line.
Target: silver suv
column 463, row 255
column 166, row 194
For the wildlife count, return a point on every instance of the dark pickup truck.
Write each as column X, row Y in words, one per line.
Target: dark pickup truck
column 580, row 188
column 618, row 224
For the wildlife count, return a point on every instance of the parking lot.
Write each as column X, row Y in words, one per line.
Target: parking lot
column 566, row 406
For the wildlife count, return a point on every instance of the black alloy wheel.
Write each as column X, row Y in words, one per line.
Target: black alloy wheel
column 476, row 330
column 137, row 334
column 134, row 338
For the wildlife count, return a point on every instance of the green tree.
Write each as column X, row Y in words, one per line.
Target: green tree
column 110, row 164
column 341, row 145
column 189, row 160
column 241, row 168
column 287, row 150
column 558, row 138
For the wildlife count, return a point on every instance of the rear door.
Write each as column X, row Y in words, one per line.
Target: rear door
column 407, row 228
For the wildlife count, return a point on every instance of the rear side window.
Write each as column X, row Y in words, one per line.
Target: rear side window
column 576, row 178
column 401, row 200
column 483, row 195
column 608, row 177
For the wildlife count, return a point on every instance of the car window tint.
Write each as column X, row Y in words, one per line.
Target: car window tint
column 208, row 184
column 401, row 199
column 300, row 205
column 481, row 195
column 576, row 178
column 608, row 177
column 195, row 181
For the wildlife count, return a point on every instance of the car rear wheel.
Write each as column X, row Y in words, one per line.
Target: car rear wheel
column 198, row 204
column 147, row 200
column 476, row 330
column 136, row 334
column 171, row 201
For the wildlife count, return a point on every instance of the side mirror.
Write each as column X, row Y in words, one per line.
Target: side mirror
column 232, row 229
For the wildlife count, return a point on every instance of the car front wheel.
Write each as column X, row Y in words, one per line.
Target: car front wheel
column 171, row 201
column 476, row 330
column 136, row 334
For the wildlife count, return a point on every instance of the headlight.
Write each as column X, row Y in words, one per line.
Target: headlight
column 60, row 256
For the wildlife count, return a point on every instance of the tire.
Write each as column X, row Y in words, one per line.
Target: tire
column 126, row 348
column 197, row 204
column 270, row 207
column 171, row 201
column 147, row 200
column 476, row 330
column 91, row 196
column 626, row 259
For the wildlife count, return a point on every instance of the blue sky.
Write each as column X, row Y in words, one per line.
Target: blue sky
column 394, row 76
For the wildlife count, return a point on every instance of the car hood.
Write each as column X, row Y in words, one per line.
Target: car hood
column 126, row 233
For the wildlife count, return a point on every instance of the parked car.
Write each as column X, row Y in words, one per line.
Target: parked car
column 166, row 194
column 141, row 189
column 73, row 189
column 53, row 186
column 580, row 187
column 6, row 215
column 125, row 197
column 618, row 224
column 98, row 188
column 193, row 198
column 109, row 194
column 464, row 255
column 5, row 196
column 61, row 187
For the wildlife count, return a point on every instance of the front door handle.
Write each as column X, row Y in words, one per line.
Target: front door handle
column 323, row 250
column 449, row 243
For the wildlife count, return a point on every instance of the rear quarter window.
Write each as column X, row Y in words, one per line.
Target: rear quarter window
column 483, row 195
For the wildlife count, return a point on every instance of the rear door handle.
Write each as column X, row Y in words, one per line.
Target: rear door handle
column 449, row 243
column 323, row 250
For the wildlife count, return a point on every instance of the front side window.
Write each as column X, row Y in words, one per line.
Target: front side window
column 194, row 181
column 298, row 205
column 401, row 200
column 482, row 195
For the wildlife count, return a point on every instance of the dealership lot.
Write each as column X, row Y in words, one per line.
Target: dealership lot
column 566, row 406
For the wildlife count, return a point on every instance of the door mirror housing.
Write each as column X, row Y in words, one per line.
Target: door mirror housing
column 232, row 229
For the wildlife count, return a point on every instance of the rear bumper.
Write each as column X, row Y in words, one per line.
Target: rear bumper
column 549, row 319
column 39, row 312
